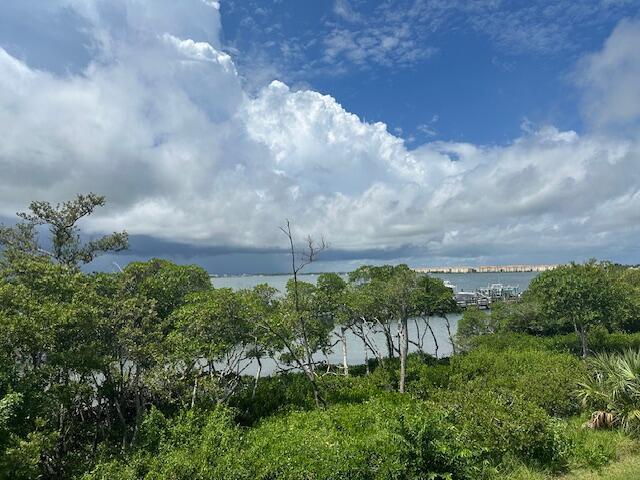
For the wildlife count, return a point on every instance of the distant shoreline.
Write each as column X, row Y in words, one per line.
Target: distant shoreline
column 490, row 269
column 286, row 274
column 421, row 270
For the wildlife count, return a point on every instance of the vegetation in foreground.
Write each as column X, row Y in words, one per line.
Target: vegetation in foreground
column 140, row 374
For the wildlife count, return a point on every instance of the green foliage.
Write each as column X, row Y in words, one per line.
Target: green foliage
column 62, row 220
column 164, row 282
column 213, row 323
column 454, row 436
column 630, row 282
column 600, row 340
column 383, row 295
column 545, row 378
column 474, row 322
column 595, row 301
column 273, row 395
column 26, row 458
column 304, row 320
column 193, row 446
column 215, row 333
column 613, row 385
column 505, row 341
column 384, row 438
column 9, row 406
column 580, row 297
column 597, row 454
column 499, row 427
column 592, row 448
column 523, row 317
column 18, row 241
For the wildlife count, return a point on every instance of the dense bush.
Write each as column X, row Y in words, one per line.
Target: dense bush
column 390, row 437
column 385, row 438
column 501, row 426
column 291, row 391
column 455, row 435
column 545, row 378
column 272, row 395
column 600, row 340
column 193, row 446
column 504, row 341
column 474, row 323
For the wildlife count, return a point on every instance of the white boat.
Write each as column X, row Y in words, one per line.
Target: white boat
column 450, row 285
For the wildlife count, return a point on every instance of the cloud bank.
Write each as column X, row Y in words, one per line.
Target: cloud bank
column 158, row 121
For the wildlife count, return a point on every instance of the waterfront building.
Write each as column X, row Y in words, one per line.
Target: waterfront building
column 489, row 269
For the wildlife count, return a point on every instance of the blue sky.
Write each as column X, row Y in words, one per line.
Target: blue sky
column 510, row 61
column 423, row 131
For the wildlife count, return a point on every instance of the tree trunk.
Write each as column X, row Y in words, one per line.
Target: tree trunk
column 257, row 378
column 390, row 346
column 366, row 357
column 451, row 340
column 343, row 339
column 124, row 425
column 404, row 347
column 194, row 392
column 320, row 401
column 582, row 336
column 583, row 341
column 435, row 340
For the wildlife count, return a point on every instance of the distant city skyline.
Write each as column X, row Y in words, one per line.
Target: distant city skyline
column 489, row 268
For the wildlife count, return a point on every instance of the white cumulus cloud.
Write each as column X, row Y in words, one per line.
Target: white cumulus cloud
column 160, row 124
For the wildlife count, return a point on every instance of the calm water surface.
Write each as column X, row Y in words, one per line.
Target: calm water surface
column 355, row 349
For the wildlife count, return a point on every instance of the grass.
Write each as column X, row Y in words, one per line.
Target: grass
column 604, row 454
column 624, row 469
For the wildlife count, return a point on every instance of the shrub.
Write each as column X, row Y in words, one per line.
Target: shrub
column 613, row 385
column 425, row 380
column 547, row 379
column 592, row 448
column 273, row 395
column 474, row 323
column 194, row 446
column 390, row 437
column 505, row 341
column 599, row 340
column 352, row 389
column 504, row 427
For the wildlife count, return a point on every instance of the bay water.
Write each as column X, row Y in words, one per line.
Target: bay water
column 467, row 282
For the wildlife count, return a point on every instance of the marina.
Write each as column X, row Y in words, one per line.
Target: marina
column 483, row 297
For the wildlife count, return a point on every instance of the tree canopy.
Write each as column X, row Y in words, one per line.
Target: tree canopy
column 61, row 220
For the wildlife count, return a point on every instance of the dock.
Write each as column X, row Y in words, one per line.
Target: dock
column 482, row 298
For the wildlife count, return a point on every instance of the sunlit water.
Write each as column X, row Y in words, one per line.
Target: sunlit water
column 417, row 327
